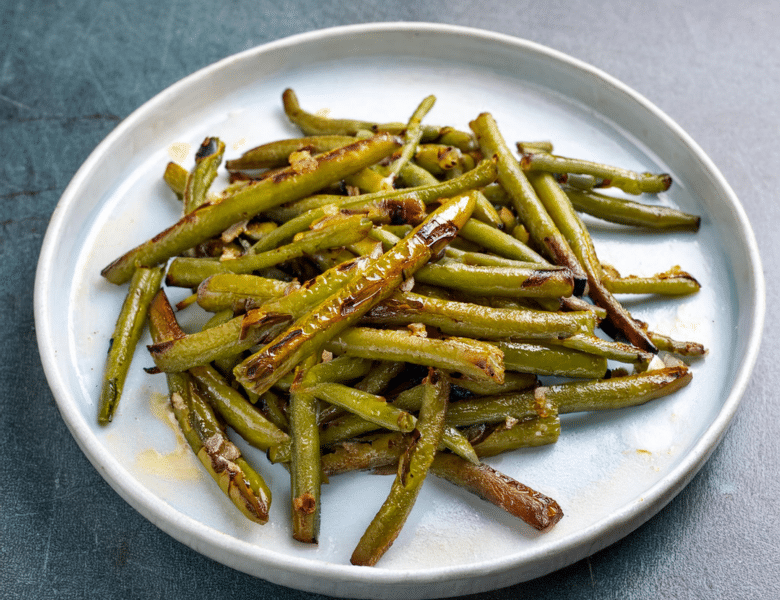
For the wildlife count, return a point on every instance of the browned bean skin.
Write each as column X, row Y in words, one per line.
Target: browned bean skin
column 539, row 511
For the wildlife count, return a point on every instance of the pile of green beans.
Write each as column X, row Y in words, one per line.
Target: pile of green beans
column 393, row 296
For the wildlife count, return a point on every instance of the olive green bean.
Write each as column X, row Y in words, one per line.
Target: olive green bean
column 305, row 469
column 276, row 154
column 473, row 320
column 412, row 136
column 629, row 212
column 629, row 181
column 239, row 292
column 199, row 180
column 370, row 407
column 527, row 433
column 127, row 332
column 503, row 244
column 244, row 332
column 236, row 410
column 473, row 358
column 559, row 207
column 379, row 377
column 245, row 488
column 312, row 124
column 674, row 282
column 176, row 177
column 412, row 470
column 529, row 281
column 549, row 360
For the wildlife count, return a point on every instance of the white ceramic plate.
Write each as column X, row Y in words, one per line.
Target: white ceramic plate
column 610, row 472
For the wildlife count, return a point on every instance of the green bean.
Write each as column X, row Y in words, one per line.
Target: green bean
column 527, row 433
column 486, row 213
column 674, row 282
column 224, row 340
column 412, row 400
column 367, row 406
column 530, row 281
column 348, row 426
column 199, row 180
column 559, row 207
column 274, row 407
column 497, row 195
column 244, row 332
column 412, row 136
column 546, row 360
column 212, row 218
column 412, row 470
column 483, row 260
column 413, row 175
column 236, row 410
column 312, row 124
column 224, row 462
column 538, row 146
column 395, row 208
column 379, row 377
column 513, row 382
column 127, row 332
column 536, row 509
column 381, row 450
column 381, row 276
column 667, row 344
column 611, row 350
column 499, row 242
column 437, row 158
column 276, row 154
column 176, row 177
column 629, row 181
column 473, row 358
column 616, row 392
column 367, row 180
column 305, row 469
column 628, row 212
column 499, row 408
column 338, row 370
column 239, row 292
column 527, row 205
column 472, row 320
column 389, row 239
column 245, row 488
column 355, row 423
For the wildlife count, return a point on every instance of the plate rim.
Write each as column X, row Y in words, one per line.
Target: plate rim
column 215, row 544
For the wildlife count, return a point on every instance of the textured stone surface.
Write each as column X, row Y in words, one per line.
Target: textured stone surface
column 70, row 71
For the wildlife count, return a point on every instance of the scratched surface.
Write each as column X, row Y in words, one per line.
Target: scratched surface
column 70, row 71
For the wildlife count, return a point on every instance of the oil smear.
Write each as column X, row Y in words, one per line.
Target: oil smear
column 180, row 463
column 178, row 151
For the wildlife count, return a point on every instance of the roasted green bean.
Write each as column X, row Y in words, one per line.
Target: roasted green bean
column 127, row 332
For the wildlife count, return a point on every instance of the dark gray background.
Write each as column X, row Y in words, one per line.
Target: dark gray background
column 70, row 71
